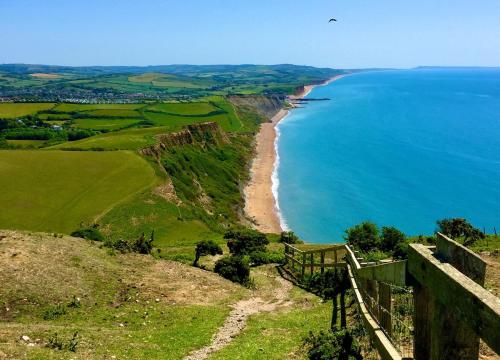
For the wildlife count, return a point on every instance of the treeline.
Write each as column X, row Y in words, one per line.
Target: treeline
column 376, row 244
column 46, row 134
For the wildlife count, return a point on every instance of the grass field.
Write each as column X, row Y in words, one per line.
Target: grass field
column 64, row 107
column 129, row 139
column 12, row 110
column 191, row 108
column 26, row 143
column 103, row 124
column 56, row 191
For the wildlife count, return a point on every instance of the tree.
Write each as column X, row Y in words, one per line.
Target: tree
column 143, row 245
column 460, row 228
column 206, row 247
column 363, row 236
column 391, row 237
column 289, row 237
column 234, row 268
column 245, row 242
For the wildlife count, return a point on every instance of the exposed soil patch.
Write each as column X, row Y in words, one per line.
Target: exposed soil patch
column 236, row 321
column 45, row 76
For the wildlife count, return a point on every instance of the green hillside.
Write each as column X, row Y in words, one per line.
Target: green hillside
column 56, row 190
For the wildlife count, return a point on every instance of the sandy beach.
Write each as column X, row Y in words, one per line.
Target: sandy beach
column 260, row 204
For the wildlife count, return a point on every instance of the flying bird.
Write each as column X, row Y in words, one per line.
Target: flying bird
column 332, row 19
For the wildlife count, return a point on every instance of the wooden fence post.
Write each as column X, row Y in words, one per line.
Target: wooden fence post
column 385, row 307
column 372, row 291
column 421, row 322
column 312, row 263
column 303, row 272
column 286, row 253
column 322, row 255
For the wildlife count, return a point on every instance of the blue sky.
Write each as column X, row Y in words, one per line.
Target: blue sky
column 382, row 33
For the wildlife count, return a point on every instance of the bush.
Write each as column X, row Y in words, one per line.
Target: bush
column 54, row 312
column 245, row 242
column 460, row 228
column 258, row 258
column 91, row 233
column 332, row 345
column 289, row 237
column 391, row 237
column 363, row 237
column 206, row 247
column 234, row 268
column 400, row 251
column 140, row 245
column 57, row 343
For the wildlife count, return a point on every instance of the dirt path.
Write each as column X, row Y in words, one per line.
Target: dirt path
column 236, row 321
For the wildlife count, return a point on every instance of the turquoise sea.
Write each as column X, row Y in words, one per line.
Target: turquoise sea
column 400, row 148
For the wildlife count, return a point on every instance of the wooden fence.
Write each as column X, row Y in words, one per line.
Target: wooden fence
column 444, row 308
column 303, row 261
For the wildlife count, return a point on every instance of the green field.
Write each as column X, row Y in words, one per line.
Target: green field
column 114, row 113
column 129, row 139
column 193, row 108
column 65, row 107
column 12, row 110
column 104, row 124
column 26, row 143
column 56, row 191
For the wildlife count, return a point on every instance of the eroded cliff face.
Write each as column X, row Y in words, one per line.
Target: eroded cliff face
column 266, row 106
column 203, row 134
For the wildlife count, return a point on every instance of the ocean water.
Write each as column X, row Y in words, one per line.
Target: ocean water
column 399, row 148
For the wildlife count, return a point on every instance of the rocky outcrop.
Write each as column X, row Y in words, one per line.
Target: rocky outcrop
column 266, row 106
column 203, row 134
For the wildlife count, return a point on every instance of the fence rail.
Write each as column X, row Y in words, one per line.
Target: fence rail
column 431, row 306
column 302, row 260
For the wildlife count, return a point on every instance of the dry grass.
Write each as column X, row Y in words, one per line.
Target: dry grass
column 46, row 76
column 132, row 306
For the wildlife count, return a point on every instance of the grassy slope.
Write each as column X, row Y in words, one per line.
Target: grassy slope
column 136, row 307
column 55, row 191
column 12, row 110
column 41, row 271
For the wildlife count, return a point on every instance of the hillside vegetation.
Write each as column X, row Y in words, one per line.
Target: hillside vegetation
column 131, row 306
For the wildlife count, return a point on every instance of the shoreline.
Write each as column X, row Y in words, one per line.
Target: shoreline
column 261, row 197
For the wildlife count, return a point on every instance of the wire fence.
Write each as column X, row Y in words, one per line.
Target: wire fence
column 393, row 308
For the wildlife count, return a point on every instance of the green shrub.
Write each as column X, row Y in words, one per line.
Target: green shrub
column 391, row 237
column 90, row 233
column 258, row 258
column 332, row 345
column 363, row 237
column 56, row 343
column 54, row 312
column 75, row 303
column 460, row 228
column 234, row 268
column 140, row 245
column 246, row 241
column 289, row 237
column 206, row 247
